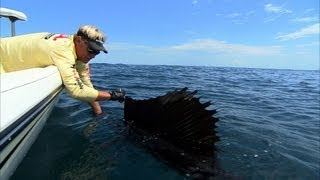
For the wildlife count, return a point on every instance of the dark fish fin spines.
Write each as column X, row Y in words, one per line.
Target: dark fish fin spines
column 178, row 118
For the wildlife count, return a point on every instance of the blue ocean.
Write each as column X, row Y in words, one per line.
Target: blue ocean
column 269, row 125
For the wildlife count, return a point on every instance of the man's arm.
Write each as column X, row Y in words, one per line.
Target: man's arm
column 84, row 73
column 103, row 95
column 95, row 106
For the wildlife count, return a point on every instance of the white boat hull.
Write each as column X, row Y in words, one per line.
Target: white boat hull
column 27, row 99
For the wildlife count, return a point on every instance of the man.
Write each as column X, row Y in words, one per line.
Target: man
column 70, row 54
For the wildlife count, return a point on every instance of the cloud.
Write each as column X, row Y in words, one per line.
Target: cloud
column 305, row 19
column 194, row 2
column 233, row 15
column 215, row 52
column 270, row 8
column 237, row 17
column 310, row 30
column 210, row 46
column 216, row 46
column 274, row 12
column 309, row 45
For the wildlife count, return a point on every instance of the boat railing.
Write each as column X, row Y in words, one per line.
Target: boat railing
column 13, row 16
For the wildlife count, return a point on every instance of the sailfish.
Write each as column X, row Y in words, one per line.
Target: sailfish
column 178, row 129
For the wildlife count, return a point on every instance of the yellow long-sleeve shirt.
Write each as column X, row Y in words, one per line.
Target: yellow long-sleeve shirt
column 44, row 49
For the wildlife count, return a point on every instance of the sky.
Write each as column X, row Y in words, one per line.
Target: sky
column 280, row 34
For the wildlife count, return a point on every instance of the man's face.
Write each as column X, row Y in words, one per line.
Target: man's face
column 83, row 51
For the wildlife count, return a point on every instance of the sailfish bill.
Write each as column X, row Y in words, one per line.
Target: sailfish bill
column 177, row 128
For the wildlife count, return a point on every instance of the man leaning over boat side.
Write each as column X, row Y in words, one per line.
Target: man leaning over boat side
column 70, row 54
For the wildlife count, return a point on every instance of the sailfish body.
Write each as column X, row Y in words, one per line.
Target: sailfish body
column 177, row 128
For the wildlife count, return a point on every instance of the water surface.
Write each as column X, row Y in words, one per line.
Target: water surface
column 269, row 125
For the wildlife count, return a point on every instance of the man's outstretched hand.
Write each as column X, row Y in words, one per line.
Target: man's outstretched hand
column 118, row 95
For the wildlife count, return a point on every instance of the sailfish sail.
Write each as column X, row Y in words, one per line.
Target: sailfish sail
column 177, row 127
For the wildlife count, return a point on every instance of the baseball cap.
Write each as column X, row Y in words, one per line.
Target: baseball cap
column 94, row 37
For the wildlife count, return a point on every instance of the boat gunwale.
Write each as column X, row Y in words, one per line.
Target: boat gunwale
column 12, row 131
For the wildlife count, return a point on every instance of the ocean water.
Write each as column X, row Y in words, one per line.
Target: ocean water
column 269, row 125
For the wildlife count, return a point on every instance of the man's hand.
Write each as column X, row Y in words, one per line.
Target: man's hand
column 118, row 95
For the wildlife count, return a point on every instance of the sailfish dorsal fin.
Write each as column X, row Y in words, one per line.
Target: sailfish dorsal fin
column 178, row 117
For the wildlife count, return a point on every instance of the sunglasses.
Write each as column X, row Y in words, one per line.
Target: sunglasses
column 91, row 51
